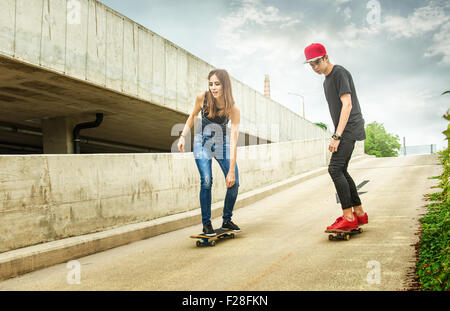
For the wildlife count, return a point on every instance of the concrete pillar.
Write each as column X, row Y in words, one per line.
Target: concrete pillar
column 57, row 135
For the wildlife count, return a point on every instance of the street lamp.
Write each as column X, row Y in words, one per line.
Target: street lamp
column 303, row 101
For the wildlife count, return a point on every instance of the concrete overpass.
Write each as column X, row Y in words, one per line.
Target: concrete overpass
column 63, row 61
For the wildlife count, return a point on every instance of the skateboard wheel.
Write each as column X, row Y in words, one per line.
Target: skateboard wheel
column 198, row 244
column 347, row 237
column 213, row 243
column 232, row 236
column 330, row 237
column 360, row 230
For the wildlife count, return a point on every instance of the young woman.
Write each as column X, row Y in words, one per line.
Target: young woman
column 212, row 140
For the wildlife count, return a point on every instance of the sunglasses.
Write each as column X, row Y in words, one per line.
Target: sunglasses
column 316, row 62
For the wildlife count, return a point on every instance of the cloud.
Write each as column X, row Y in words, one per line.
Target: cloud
column 422, row 20
column 257, row 39
column 236, row 31
column 430, row 18
column 441, row 45
column 412, row 114
column 255, row 34
column 347, row 13
column 339, row 2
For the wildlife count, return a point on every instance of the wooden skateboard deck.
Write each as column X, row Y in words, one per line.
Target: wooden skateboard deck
column 205, row 240
column 342, row 234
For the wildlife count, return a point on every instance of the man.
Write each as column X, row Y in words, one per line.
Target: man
column 349, row 127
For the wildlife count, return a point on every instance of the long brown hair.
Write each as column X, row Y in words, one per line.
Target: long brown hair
column 211, row 105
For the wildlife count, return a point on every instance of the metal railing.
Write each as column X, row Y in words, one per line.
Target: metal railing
column 418, row 149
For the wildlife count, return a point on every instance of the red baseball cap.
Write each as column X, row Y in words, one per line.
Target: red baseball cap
column 314, row 51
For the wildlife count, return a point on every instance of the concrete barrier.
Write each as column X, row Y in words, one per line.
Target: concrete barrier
column 49, row 197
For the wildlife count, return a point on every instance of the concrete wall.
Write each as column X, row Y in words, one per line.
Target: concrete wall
column 90, row 42
column 49, row 197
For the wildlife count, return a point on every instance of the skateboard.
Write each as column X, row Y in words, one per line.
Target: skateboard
column 205, row 240
column 342, row 234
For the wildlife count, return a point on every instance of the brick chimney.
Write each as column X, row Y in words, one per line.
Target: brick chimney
column 267, row 86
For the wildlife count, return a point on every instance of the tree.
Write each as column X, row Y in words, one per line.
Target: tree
column 380, row 143
column 322, row 125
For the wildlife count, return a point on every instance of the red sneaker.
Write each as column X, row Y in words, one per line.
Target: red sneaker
column 342, row 224
column 362, row 220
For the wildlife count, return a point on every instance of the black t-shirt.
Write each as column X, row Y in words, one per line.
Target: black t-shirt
column 336, row 84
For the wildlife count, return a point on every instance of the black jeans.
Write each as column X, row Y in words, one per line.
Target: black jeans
column 345, row 186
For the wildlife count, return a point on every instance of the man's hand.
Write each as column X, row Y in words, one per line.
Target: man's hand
column 333, row 147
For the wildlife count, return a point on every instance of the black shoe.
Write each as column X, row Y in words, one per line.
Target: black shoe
column 229, row 225
column 208, row 230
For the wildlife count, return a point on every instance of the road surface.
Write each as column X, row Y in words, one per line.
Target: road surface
column 282, row 247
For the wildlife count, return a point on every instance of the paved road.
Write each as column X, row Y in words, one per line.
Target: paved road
column 283, row 245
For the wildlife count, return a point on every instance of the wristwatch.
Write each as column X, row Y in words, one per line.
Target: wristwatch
column 336, row 137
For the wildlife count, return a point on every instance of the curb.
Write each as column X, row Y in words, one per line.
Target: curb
column 24, row 260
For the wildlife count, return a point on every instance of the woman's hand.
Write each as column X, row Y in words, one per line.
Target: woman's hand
column 181, row 144
column 231, row 179
column 190, row 121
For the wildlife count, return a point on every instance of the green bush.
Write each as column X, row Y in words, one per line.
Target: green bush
column 433, row 264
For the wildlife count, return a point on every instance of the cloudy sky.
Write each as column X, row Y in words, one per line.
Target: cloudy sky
column 398, row 51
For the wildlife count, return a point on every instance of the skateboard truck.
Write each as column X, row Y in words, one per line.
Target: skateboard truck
column 205, row 240
column 341, row 234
